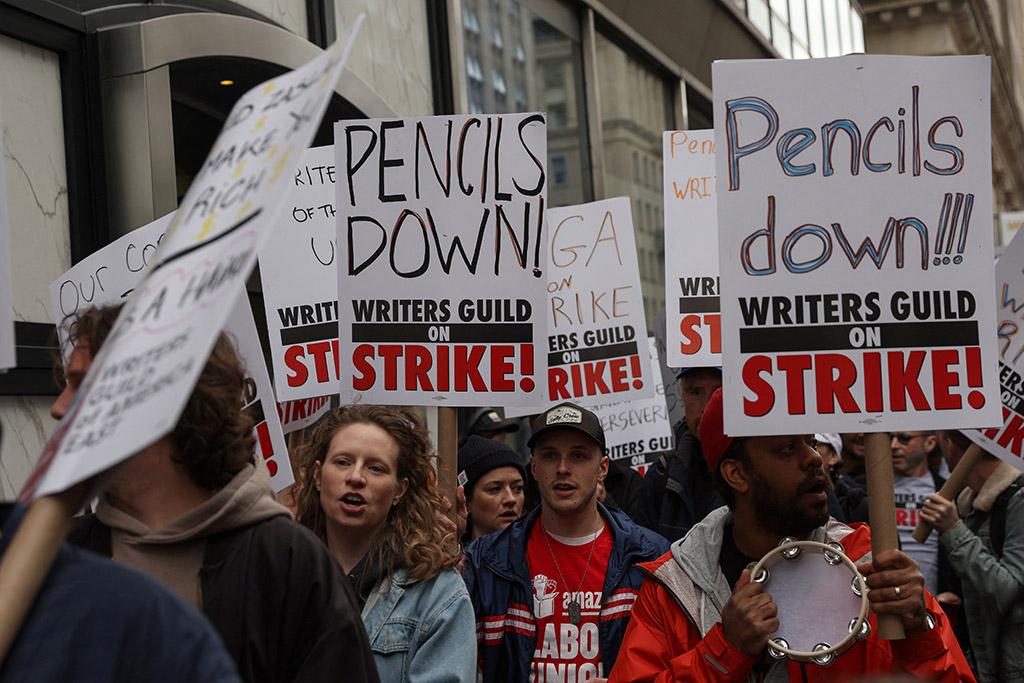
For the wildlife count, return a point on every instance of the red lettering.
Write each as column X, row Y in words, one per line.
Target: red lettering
column 266, row 446
column 390, row 353
column 764, row 395
column 1012, row 436
column 593, row 374
column 943, row 379
column 873, row 382
column 364, row 374
column 901, row 517
column 903, row 381
column 620, row 373
column 293, row 361
column 417, row 368
column 834, row 374
column 502, row 367
column 443, row 371
column 467, row 367
column 558, row 378
column 714, row 322
column 319, row 351
column 689, row 327
column 991, row 433
column 794, row 367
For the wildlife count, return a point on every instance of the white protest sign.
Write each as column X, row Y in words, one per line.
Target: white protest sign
column 440, row 243
column 1007, row 440
column 108, row 276
column 638, row 430
column 141, row 379
column 856, row 244
column 692, row 317
column 300, row 285
column 303, row 412
column 7, row 354
column 596, row 321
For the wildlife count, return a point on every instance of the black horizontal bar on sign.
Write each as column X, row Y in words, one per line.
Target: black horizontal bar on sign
column 255, row 411
column 309, row 333
column 700, row 304
column 457, row 333
column 838, row 337
column 592, row 353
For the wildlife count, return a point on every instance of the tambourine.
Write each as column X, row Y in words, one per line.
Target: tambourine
column 821, row 597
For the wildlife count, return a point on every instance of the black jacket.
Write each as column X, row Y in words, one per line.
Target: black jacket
column 678, row 490
column 275, row 596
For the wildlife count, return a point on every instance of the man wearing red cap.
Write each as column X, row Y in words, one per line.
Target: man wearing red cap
column 686, row 625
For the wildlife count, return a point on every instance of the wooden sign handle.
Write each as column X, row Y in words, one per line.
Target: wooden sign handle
column 26, row 563
column 882, row 513
column 953, row 486
column 448, row 455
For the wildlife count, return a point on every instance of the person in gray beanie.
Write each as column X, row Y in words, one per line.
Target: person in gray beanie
column 492, row 476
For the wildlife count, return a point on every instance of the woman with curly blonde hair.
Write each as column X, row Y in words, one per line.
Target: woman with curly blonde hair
column 367, row 489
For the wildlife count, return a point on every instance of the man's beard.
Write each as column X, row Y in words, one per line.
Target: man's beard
column 784, row 517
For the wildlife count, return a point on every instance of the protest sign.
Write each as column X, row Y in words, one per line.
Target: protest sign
column 1007, row 440
column 692, row 309
column 7, row 359
column 855, row 244
column 303, row 412
column 595, row 318
column 439, row 246
column 637, row 431
column 108, row 276
column 140, row 380
column 300, row 285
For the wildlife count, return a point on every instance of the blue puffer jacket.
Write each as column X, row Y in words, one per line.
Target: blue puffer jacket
column 500, row 586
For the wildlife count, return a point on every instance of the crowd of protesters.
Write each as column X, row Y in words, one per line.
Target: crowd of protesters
column 563, row 566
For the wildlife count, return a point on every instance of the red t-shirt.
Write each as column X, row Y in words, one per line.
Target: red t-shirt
column 567, row 652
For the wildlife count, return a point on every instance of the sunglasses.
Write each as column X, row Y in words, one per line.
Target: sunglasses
column 905, row 438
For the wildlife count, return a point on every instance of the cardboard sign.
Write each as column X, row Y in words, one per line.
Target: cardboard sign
column 7, row 359
column 637, row 431
column 301, row 413
column 692, row 308
column 140, row 380
column 1007, row 440
column 300, row 285
column 856, row 244
column 108, row 276
column 440, row 243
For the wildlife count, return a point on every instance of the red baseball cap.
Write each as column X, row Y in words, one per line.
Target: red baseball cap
column 713, row 440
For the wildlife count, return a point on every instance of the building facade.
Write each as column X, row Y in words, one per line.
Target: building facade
column 107, row 109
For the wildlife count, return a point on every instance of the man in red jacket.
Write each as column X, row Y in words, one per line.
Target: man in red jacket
column 774, row 487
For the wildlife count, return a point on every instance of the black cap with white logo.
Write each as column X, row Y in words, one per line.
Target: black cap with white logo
column 569, row 416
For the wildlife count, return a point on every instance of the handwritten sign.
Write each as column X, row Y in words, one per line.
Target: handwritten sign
column 300, row 285
column 303, row 412
column 141, row 379
column 440, row 241
column 638, row 430
column 7, row 359
column 692, row 310
column 108, row 276
column 856, row 244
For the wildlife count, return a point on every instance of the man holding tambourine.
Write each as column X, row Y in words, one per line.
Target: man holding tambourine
column 800, row 613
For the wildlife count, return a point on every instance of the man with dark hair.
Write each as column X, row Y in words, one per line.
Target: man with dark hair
column 195, row 510
column 553, row 591
column 687, row 625
column 983, row 533
column 677, row 491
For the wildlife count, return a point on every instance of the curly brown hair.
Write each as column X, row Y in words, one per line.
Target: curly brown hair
column 214, row 435
column 412, row 536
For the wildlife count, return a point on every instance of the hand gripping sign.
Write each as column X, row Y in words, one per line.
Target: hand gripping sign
column 692, row 309
column 108, row 276
column 140, row 380
column 855, row 244
column 1007, row 440
column 439, row 249
column 300, row 285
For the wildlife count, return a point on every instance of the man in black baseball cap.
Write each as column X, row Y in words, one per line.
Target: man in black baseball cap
column 564, row 577
column 490, row 423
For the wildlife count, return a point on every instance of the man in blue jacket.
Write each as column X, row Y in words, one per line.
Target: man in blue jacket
column 553, row 592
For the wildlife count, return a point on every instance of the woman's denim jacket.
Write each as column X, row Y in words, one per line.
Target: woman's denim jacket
column 422, row 632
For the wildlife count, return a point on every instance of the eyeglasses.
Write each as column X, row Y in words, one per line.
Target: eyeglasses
column 905, row 438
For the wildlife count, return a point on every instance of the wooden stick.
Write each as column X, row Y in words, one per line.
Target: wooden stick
column 26, row 563
column 448, row 455
column 953, row 486
column 882, row 513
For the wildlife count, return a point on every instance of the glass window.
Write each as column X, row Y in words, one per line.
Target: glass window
column 470, row 21
column 496, row 40
column 816, row 29
column 757, row 12
column 779, row 7
column 857, row 29
column 636, row 108
column 844, row 26
column 545, row 73
column 780, row 37
column 798, row 21
column 833, row 46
